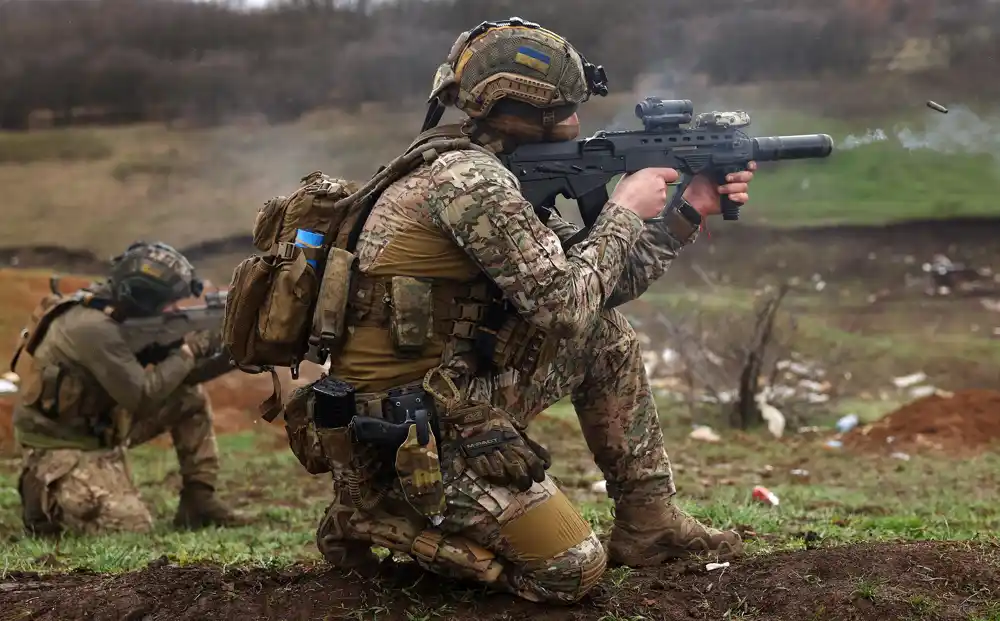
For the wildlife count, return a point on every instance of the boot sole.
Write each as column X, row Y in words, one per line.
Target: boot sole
column 661, row 558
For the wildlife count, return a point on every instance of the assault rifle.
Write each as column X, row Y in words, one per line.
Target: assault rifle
column 153, row 338
column 713, row 144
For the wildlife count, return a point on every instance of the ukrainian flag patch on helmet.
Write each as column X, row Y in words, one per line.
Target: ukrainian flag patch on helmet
column 530, row 57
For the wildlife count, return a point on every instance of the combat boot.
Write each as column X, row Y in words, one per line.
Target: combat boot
column 199, row 507
column 653, row 532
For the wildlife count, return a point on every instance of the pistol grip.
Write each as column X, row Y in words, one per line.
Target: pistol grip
column 730, row 209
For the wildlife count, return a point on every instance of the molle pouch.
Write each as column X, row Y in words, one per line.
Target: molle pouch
column 248, row 289
column 302, row 436
column 283, row 322
column 338, row 450
column 334, row 290
column 419, row 470
column 412, row 314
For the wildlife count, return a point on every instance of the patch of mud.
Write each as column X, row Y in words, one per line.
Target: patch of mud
column 962, row 424
column 919, row 580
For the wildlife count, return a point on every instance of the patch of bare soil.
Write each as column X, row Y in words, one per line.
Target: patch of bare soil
column 917, row 580
column 964, row 423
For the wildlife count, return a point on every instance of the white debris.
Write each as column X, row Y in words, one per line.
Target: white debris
column 990, row 305
column 714, row 566
column 920, row 392
column 705, row 434
column 909, row 380
column 772, row 415
column 901, row 456
column 799, row 472
column 599, row 487
column 846, row 423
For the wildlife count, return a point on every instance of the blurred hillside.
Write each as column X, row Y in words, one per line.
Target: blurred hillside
column 72, row 62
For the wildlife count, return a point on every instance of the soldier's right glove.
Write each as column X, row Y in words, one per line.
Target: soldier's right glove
column 493, row 448
column 203, row 343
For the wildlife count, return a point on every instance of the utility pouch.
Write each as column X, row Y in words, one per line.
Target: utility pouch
column 334, row 291
column 412, row 316
column 302, row 436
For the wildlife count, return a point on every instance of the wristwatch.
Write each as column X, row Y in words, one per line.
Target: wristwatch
column 683, row 221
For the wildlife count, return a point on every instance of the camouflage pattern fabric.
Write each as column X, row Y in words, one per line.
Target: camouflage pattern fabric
column 419, row 470
column 532, row 544
column 412, row 314
column 90, row 491
column 474, row 206
column 83, row 492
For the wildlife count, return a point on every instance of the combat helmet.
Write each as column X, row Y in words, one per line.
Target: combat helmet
column 149, row 276
column 512, row 59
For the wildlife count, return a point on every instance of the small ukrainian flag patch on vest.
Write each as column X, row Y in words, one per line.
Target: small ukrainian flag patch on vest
column 532, row 58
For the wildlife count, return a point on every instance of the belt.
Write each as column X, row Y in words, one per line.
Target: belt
column 381, row 404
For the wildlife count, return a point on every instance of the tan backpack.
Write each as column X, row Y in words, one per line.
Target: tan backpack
column 289, row 304
column 49, row 307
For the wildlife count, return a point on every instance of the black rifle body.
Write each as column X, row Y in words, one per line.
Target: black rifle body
column 714, row 145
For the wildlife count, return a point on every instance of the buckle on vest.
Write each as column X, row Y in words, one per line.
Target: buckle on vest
column 285, row 251
column 463, row 329
column 471, row 312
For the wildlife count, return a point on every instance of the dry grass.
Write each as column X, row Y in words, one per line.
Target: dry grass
column 99, row 189
column 184, row 186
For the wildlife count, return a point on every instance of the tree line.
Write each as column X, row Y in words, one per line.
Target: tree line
column 133, row 60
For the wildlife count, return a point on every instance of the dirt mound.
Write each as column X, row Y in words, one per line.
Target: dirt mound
column 963, row 423
column 920, row 580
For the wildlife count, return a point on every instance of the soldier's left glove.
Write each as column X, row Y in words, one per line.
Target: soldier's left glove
column 203, row 343
column 493, row 448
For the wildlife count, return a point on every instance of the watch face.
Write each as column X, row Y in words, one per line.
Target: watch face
column 690, row 213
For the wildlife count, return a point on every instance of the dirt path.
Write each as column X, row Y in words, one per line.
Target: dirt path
column 878, row 582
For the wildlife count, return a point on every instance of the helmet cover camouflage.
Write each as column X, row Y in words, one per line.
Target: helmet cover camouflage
column 149, row 276
column 514, row 59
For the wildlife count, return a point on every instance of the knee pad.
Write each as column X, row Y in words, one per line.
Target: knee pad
column 569, row 576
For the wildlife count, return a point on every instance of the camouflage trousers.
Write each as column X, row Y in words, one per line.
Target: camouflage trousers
column 90, row 492
column 534, row 543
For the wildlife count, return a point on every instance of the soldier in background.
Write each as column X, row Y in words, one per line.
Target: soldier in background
column 85, row 398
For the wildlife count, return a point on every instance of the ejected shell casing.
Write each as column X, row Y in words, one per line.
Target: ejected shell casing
column 933, row 105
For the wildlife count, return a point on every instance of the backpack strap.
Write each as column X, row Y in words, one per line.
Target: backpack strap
column 32, row 338
column 426, row 148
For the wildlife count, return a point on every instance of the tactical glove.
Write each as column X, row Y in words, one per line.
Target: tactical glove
column 203, row 343
column 494, row 449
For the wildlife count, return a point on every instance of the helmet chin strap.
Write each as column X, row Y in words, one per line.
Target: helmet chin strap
column 434, row 113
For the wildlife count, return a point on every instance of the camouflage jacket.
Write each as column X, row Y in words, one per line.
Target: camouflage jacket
column 476, row 203
column 98, row 372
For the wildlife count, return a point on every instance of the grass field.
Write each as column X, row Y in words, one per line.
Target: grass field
column 841, row 500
